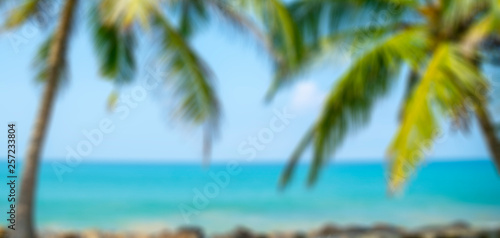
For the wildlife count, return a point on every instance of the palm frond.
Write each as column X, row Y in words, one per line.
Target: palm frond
column 352, row 41
column 317, row 18
column 114, row 48
column 294, row 159
column 448, row 85
column 41, row 61
column 193, row 81
column 349, row 104
column 127, row 12
column 112, row 100
column 192, row 15
column 284, row 36
column 481, row 29
column 357, row 37
column 320, row 23
column 456, row 13
column 23, row 12
column 241, row 21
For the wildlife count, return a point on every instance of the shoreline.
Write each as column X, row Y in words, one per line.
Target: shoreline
column 457, row 229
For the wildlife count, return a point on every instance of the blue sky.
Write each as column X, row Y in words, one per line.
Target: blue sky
column 149, row 133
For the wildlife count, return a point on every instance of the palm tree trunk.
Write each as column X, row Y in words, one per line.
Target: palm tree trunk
column 489, row 133
column 58, row 51
column 488, row 129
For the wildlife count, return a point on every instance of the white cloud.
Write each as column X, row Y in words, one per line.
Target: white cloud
column 306, row 95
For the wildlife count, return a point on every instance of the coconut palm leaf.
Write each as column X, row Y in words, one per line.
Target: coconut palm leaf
column 193, row 81
column 284, row 33
column 358, row 37
column 239, row 19
column 284, row 36
column 114, row 48
column 317, row 18
column 349, row 104
column 192, row 15
column 352, row 41
column 447, row 85
column 456, row 13
column 320, row 24
column 294, row 159
column 41, row 61
column 127, row 12
column 481, row 29
column 21, row 13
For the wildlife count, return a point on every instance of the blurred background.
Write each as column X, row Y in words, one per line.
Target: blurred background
column 153, row 115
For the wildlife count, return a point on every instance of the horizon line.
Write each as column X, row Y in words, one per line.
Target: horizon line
column 260, row 162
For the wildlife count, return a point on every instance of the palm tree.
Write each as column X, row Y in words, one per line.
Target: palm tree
column 440, row 42
column 55, row 61
column 114, row 25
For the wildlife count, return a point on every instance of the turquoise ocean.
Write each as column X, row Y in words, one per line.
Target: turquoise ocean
column 156, row 196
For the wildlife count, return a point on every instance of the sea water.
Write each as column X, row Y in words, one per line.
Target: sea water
column 150, row 197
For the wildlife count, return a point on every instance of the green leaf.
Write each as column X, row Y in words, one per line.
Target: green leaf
column 112, row 100
column 327, row 24
column 317, row 18
column 198, row 103
column 40, row 62
column 114, row 48
column 350, row 102
column 292, row 162
column 125, row 13
column 22, row 13
column 193, row 15
column 483, row 27
column 238, row 18
column 456, row 13
column 286, row 40
column 448, row 87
